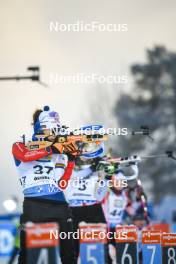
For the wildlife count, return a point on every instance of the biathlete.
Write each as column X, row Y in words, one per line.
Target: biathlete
column 82, row 194
column 40, row 172
column 116, row 203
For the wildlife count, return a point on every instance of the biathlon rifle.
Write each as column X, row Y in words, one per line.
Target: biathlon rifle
column 111, row 165
column 79, row 136
column 65, row 138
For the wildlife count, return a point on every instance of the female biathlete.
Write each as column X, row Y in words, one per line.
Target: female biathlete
column 81, row 192
column 40, row 172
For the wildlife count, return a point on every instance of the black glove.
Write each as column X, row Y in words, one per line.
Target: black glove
column 109, row 169
column 71, row 150
column 71, row 157
column 55, row 148
column 108, row 176
column 95, row 164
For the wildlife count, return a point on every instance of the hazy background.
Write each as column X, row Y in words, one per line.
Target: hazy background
column 26, row 40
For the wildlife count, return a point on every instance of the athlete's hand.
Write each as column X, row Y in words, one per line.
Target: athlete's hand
column 109, row 170
column 71, row 150
column 57, row 148
column 50, row 138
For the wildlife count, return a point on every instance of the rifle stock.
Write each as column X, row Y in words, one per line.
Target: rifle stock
column 64, row 140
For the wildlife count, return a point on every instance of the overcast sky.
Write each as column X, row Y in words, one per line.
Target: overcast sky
column 26, row 40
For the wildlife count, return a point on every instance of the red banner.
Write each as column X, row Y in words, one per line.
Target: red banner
column 42, row 235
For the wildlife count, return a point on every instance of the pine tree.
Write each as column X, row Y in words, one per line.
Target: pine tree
column 152, row 102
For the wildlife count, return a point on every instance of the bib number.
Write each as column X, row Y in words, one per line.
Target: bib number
column 39, row 169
